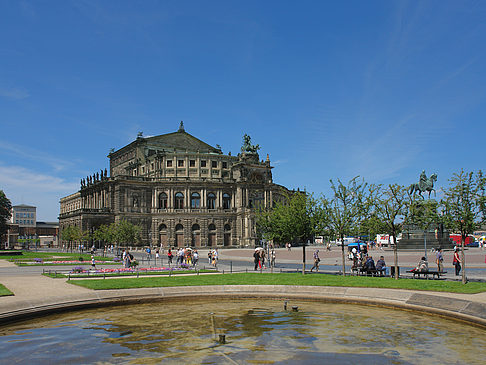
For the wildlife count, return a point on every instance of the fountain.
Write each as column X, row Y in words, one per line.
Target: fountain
column 240, row 331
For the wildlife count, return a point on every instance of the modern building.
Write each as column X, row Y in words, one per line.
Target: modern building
column 179, row 189
column 24, row 215
column 24, row 229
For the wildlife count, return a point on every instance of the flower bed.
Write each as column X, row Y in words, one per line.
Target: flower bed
column 132, row 270
column 65, row 262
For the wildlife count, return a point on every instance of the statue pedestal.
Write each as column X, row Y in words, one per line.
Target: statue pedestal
column 414, row 238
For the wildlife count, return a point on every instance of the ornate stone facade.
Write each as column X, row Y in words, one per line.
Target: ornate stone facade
column 180, row 190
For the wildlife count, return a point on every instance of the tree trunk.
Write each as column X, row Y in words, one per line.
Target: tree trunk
column 463, row 259
column 344, row 259
column 395, row 254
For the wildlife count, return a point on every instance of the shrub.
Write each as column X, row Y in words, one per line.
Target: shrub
column 81, row 259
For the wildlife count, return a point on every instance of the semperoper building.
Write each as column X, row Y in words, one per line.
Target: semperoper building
column 180, row 190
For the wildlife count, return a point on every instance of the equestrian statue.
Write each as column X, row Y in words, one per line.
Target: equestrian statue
column 424, row 185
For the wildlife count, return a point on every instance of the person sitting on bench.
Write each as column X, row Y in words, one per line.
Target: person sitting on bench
column 369, row 265
column 381, row 266
column 422, row 266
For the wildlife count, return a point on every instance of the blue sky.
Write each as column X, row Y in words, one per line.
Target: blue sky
column 380, row 89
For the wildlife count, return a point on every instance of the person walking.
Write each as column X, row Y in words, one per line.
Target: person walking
column 210, row 257
column 262, row 259
column 93, row 262
column 169, row 256
column 316, row 261
column 439, row 259
column 256, row 258
column 456, row 261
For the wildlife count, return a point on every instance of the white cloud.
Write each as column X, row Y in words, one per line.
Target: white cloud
column 23, row 186
column 35, row 155
column 20, row 178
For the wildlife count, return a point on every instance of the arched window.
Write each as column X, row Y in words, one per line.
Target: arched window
column 211, row 201
column 227, row 235
column 212, row 235
column 196, row 235
column 195, row 201
column 163, row 235
column 179, row 230
column 179, row 201
column 226, row 201
column 163, row 201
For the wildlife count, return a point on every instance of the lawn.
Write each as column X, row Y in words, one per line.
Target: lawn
column 284, row 279
column 4, row 291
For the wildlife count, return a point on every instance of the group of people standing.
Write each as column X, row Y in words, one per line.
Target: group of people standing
column 260, row 258
column 186, row 256
column 213, row 257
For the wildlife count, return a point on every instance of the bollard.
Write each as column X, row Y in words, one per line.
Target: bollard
column 104, row 276
column 295, row 308
column 170, row 272
column 137, row 273
column 285, row 305
column 231, row 267
column 222, row 338
column 69, row 276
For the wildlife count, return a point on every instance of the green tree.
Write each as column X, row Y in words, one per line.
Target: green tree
column 463, row 206
column 345, row 211
column 126, row 232
column 104, row 233
column 71, row 234
column 5, row 212
column 391, row 208
column 293, row 219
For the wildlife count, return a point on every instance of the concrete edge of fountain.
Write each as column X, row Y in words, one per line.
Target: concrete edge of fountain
column 448, row 306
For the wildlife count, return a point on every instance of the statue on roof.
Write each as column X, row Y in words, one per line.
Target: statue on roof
column 139, row 135
column 247, row 146
column 181, row 127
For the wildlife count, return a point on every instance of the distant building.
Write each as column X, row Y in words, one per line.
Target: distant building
column 24, row 229
column 179, row 189
column 24, row 215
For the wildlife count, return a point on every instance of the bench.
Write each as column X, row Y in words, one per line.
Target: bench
column 368, row 272
column 426, row 274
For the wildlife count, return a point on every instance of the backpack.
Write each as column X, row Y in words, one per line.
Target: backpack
column 131, row 256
